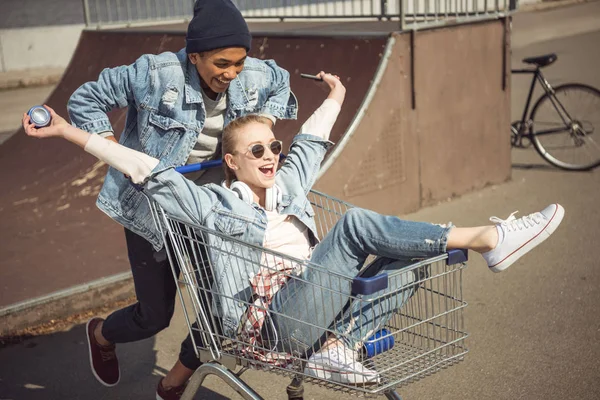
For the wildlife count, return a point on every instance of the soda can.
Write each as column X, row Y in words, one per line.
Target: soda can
column 40, row 116
column 378, row 343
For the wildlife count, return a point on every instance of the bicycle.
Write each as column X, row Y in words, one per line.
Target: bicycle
column 560, row 127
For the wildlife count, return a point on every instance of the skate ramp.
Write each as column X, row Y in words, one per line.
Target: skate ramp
column 433, row 125
column 53, row 235
column 426, row 118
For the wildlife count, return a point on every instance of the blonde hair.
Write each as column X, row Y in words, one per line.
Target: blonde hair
column 229, row 139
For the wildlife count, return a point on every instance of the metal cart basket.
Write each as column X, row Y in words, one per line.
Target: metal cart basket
column 424, row 334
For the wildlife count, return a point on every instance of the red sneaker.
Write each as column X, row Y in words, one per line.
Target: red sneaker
column 103, row 359
column 173, row 393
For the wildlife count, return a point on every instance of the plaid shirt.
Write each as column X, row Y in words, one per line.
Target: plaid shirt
column 286, row 235
column 265, row 284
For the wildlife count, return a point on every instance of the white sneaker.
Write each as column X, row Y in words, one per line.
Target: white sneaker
column 339, row 364
column 517, row 236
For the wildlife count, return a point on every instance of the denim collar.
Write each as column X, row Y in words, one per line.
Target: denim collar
column 193, row 91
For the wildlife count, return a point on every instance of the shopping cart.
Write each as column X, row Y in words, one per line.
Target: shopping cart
column 424, row 335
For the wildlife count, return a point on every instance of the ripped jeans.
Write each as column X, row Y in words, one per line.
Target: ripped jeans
column 305, row 310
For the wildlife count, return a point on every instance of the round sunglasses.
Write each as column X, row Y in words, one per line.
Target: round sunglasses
column 258, row 150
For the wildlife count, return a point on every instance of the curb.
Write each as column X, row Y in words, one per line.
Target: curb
column 64, row 303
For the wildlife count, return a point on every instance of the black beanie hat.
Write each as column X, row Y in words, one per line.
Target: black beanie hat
column 216, row 24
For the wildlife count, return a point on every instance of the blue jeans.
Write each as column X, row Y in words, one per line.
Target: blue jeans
column 306, row 310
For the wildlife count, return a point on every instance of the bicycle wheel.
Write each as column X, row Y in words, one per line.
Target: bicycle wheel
column 565, row 127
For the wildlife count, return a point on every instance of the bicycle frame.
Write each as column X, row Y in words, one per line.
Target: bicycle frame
column 562, row 112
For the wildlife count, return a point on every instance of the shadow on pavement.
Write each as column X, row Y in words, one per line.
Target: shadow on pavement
column 544, row 167
column 56, row 366
column 541, row 167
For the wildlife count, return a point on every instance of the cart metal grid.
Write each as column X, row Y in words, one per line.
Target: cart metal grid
column 427, row 324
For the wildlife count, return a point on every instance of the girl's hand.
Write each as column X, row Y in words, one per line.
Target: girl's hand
column 332, row 81
column 56, row 128
column 337, row 91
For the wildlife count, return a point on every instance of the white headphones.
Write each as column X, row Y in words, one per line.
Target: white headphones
column 272, row 196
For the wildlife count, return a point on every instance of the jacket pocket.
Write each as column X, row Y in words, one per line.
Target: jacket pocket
column 161, row 135
column 131, row 200
column 230, row 225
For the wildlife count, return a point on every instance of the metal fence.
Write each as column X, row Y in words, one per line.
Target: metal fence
column 412, row 14
column 111, row 13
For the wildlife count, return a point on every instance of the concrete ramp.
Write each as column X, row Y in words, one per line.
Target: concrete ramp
column 433, row 125
column 53, row 235
column 426, row 118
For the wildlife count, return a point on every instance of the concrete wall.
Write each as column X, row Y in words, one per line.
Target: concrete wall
column 38, row 47
column 463, row 110
column 455, row 140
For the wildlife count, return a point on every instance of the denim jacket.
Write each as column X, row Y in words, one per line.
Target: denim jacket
column 165, row 115
column 219, row 209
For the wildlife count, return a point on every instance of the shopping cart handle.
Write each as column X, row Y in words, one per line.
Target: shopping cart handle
column 371, row 285
column 457, row 256
column 186, row 169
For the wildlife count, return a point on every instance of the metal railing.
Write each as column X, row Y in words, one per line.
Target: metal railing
column 111, row 13
column 412, row 14
column 419, row 14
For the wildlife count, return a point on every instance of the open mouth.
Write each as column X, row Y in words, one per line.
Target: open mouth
column 268, row 170
column 222, row 83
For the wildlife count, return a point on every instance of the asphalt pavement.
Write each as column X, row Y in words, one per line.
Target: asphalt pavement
column 534, row 331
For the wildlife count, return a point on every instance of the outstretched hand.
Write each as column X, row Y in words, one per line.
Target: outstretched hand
column 330, row 81
column 55, row 129
column 337, row 91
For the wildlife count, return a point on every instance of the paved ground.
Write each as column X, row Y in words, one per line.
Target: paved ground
column 14, row 102
column 534, row 329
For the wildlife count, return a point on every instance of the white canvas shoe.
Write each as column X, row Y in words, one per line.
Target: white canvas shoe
column 339, row 364
column 517, row 236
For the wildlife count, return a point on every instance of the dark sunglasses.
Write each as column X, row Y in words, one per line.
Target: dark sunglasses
column 258, row 150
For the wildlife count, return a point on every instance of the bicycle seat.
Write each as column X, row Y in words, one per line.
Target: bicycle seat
column 541, row 61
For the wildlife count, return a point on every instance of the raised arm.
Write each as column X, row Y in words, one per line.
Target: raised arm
column 312, row 142
column 321, row 121
column 132, row 163
column 180, row 197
